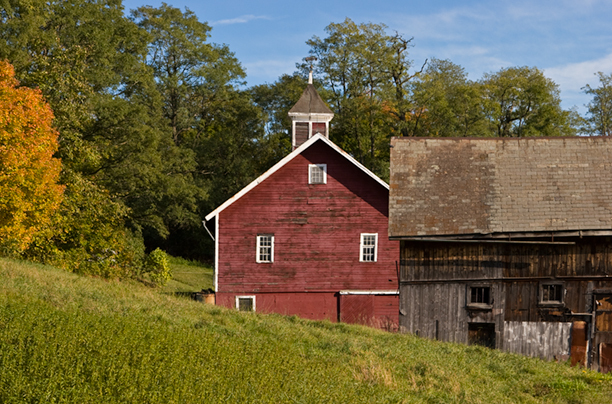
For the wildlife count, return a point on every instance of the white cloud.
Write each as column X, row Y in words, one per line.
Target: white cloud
column 572, row 77
column 577, row 75
column 241, row 20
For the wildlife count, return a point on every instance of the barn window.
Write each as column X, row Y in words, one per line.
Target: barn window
column 551, row 293
column 368, row 248
column 480, row 294
column 479, row 297
column 317, row 173
column 265, row 248
column 245, row 303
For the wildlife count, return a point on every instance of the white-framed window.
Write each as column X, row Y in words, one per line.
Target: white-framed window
column 368, row 248
column 265, row 248
column 245, row 303
column 317, row 173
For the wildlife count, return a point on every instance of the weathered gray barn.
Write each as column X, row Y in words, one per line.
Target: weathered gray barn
column 506, row 243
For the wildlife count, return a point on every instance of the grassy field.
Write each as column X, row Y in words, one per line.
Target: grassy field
column 65, row 338
column 188, row 276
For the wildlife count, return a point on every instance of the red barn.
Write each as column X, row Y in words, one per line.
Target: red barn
column 310, row 236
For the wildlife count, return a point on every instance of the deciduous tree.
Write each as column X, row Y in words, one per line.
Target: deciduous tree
column 599, row 114
column 521, row 101
column 29, row 193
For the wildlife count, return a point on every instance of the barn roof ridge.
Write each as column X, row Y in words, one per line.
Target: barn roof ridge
column 287, row 159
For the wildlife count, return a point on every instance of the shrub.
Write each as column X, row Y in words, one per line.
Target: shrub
column 157, row 267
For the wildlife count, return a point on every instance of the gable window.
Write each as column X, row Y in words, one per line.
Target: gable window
column 265, row 248
column 479, row 297
column 245, row 303
column 317, row 173
column 368, row 247
column 551, row 293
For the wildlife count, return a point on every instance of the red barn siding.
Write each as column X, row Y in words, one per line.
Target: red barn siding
column 316, row 228
column 313, row 306
column 379, row 311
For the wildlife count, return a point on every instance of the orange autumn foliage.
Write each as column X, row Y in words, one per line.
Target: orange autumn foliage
column 29, row 193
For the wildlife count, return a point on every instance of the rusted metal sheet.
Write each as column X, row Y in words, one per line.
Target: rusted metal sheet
column 545, row 340
column 605, row 357
column 579, row 338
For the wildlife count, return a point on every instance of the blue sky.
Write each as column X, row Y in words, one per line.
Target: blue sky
column 569, row 40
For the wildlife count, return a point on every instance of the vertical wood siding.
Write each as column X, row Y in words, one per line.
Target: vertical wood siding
column 545, row 340
column 435, row 277
column 439, row 311
column 380, row 311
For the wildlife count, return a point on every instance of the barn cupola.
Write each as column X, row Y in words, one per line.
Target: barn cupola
column 309, row 116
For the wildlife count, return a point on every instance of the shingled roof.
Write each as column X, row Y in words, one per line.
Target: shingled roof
column 310, row 103
column 450, row 187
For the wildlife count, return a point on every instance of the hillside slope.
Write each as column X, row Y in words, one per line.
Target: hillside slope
column 66, row 338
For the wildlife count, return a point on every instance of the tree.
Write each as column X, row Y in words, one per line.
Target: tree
column 29, row 193
column 599, row 113
column 82, row 55
column 521, row 101
column 446, row 103
column 365, row 71
column 190, row 73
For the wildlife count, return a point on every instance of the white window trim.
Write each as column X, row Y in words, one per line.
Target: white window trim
column 362, row 246
column 252, row 297
column 321, row 166
column 257, row 255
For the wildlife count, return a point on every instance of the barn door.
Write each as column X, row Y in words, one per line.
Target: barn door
column 602, row 339
column 481, row 334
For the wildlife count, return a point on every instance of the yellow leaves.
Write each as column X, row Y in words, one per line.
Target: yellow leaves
column 29, row 193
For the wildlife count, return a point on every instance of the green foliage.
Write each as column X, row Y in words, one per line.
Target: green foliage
column 157, row 267
column 190, row 73
column 77, row 339
column 375, row 92
column 599, row 114
column 522, row 102
column 447, row 104
column 188, row 276
column 365, row 71
column 88, row 235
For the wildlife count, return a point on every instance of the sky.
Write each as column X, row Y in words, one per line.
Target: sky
column 569, row 41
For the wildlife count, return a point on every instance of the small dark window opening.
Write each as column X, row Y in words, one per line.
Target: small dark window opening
column 479, row 297
column 551, row 293
column 480, row 294
column 245, row 304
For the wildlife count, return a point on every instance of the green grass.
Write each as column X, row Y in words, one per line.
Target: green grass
column 188, row 276
column 65, row 338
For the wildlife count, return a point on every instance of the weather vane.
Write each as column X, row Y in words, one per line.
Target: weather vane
column 310, row 59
